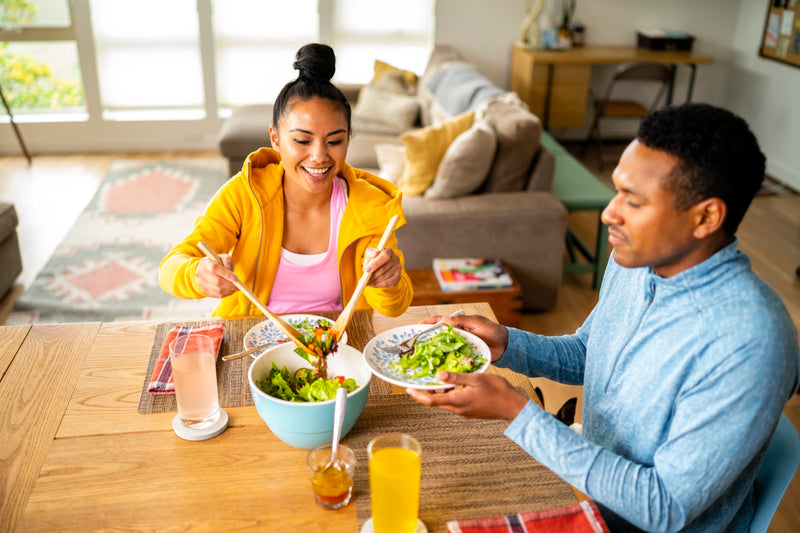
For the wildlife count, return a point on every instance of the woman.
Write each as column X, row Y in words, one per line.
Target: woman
column 297, row 225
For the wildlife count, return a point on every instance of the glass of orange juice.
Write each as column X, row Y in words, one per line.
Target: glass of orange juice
column 394, row 477
column 194, row 370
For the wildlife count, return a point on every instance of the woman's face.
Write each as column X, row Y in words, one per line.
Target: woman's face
column 312, row 139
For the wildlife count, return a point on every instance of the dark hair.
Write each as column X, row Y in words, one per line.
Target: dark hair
column 719, row 157
column 316, row 64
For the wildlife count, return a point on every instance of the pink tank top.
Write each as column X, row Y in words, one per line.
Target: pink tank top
column 306, row 283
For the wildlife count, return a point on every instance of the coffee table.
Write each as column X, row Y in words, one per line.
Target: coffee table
column 506, row 303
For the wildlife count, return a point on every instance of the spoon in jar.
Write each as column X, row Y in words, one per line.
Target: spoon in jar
column 338, row 421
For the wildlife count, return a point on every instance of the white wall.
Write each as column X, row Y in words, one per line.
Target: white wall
column 762, row 91
column 765, row 93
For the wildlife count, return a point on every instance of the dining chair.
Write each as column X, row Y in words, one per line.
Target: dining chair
column 646, row 78
column 775, row 474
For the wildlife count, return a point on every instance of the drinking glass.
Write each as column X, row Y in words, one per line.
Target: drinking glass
column 194, row 371
column 394, row 477
column 332, row 486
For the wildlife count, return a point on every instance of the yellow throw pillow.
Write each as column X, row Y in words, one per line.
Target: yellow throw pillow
column 382, row 68
column 425, row 148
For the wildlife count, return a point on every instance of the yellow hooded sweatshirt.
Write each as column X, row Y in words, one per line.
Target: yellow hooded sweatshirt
column 245, row 218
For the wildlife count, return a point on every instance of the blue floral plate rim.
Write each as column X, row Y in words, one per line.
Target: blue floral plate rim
column 379, row 360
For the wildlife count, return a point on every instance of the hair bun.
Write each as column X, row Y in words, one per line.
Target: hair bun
column 315, row 61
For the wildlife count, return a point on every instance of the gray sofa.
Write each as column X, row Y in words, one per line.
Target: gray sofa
column 511, row 215
column 10, row 260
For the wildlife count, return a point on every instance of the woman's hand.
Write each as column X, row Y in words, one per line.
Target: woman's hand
column 385, row 267
column 475, row 396
column 216, row 281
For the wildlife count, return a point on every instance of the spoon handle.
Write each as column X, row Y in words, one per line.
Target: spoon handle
column 285, row 328
column 338, row 420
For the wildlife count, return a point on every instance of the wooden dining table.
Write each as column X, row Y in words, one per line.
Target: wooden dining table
column 77, row 455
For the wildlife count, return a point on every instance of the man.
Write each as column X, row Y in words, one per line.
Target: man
column 688, row 357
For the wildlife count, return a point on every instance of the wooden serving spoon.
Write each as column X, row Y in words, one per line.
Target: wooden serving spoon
column 282, row 325
column 337, row 330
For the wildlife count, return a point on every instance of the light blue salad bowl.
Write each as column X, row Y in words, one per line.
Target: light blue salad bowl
column 308, row 424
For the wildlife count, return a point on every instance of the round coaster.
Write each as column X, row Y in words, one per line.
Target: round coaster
column 190, row 433
column 367, row 527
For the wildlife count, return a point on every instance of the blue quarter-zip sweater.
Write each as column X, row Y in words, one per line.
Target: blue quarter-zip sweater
column 684, row 380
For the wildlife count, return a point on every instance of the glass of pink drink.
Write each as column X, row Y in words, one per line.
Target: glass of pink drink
column 194, row 371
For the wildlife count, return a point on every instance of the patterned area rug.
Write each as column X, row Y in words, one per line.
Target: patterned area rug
column 106, row 267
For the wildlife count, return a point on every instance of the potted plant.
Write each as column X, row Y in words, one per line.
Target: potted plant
column 565, row 30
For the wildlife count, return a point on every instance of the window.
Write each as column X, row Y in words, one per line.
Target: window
column 255, row 42
column 107, row 62
column 399, row 33
column 39, row 67
column 148, row 58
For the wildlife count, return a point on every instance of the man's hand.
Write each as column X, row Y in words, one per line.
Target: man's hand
column 493, row 334
column 216, row 281
column 475, row 396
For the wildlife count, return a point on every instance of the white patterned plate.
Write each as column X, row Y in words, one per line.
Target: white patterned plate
column 379, row 361
column 267, row 332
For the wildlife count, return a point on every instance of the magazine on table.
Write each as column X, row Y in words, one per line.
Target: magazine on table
column 467, row 274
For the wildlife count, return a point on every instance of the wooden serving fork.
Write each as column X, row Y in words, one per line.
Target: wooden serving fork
column 286, row 328
column 337, row 330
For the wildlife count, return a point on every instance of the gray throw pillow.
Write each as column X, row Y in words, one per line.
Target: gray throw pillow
column 518, row 135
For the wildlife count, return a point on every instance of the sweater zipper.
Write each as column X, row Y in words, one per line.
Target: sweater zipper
column 634, row 331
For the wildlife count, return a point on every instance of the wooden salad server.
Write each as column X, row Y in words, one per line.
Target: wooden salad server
column 286, row 328
column 337, row 330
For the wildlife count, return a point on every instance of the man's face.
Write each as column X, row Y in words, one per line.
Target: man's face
column 644, row 226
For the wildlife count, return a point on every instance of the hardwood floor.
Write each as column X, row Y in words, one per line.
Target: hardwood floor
column 52, row 192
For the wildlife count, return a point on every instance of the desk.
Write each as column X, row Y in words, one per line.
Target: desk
column 76, row 454
column 555, row 84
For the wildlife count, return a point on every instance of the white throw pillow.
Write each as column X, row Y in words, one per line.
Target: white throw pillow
column 466, row 163
column 391, row 160
column 387, row 107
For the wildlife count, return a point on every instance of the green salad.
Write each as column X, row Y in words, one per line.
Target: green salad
column 303, row 385
column 447, row 350
column 319, row 341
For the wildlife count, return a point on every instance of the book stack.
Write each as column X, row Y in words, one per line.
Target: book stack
column 469, row 274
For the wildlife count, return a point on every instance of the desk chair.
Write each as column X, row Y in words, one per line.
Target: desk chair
column 643, row 74
column 775, row 474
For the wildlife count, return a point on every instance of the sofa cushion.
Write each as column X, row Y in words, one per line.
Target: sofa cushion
column 391, row 161
column 452, row 89
column 425, row 148
column 246, row 130
column 361, row 150
column 518, row 133
column 466, row 163
column 381, row 68
column 10, row 258
column 442, row 53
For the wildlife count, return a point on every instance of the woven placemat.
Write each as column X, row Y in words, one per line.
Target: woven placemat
column 234, row 390
column 469, row 468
